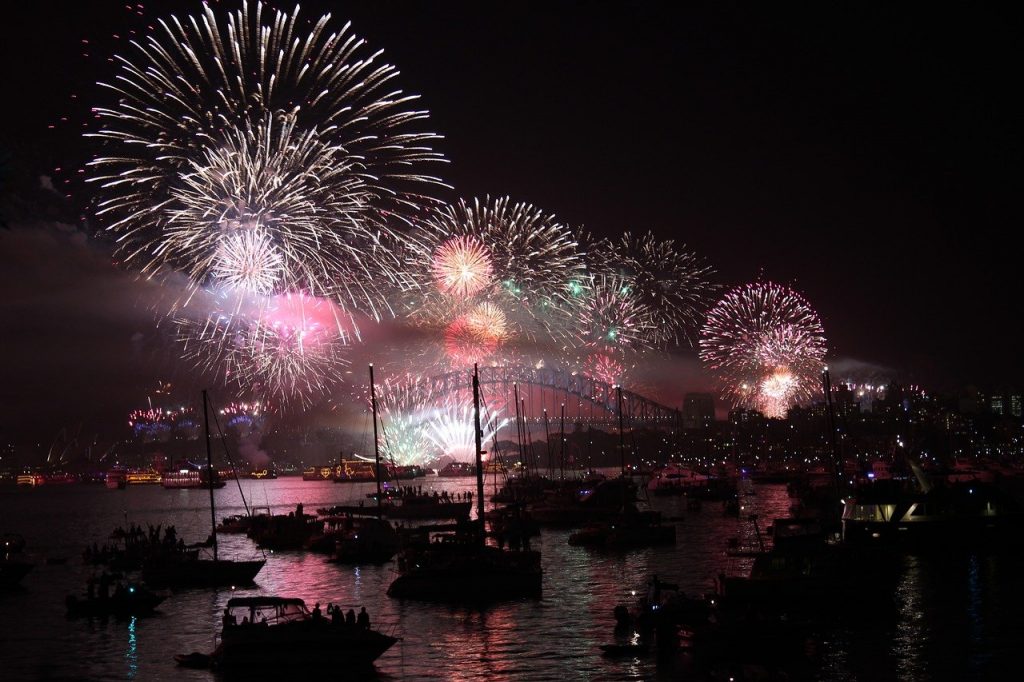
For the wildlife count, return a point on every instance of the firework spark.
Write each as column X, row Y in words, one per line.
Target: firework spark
column 231, row 122
column 767, row 346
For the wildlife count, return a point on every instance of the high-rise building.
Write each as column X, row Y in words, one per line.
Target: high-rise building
column 698, row 410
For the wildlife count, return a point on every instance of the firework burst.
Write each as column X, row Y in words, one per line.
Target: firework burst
column 404, row 407
column 292, row 348
column 450, row 430
column 462, row 266
column 767, row 346
column 512, row 255
column 246, row 151
column 672, row 282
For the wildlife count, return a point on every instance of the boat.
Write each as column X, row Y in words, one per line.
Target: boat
column 355, row 471
column 416, row 506
column 12, row 569
column 31, row 479
column 457, row 470
column 365, row 540
column 460, row 567
column 186, row 569
column 149, row 477
column 260, row 474
column 318, row 473
column 192, row 478
column 630, row 529
column 938, row 515
column 115, row 480
column 405, row 472
column 674, row 479
column 132, row 600
column 280, row 633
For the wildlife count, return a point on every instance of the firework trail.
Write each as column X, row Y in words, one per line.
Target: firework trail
column 767, row 347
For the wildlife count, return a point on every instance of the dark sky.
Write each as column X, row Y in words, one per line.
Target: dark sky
column 869, row 154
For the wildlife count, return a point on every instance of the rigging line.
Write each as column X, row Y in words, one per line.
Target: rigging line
column 227, row 453
column 494, row 441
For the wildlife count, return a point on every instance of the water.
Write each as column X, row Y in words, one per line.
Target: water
column 955, row 617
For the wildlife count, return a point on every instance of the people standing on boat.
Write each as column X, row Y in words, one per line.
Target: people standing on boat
column 317, row 614
column 364, row 619
column 337, row 617
column 228, row 619
column 350, row 617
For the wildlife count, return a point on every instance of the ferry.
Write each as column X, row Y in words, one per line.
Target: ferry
column 320, row 473
column 149, row 477
column 192, row 478
column 32, row 480
column 355, row 471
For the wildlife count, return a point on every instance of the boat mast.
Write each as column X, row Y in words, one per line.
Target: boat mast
column 836, row 466
column 376, row 446
column 209, row 473
column 561, row 453
column 519, row 430
column 479, row 453
column 622, row 433
column 547, row 446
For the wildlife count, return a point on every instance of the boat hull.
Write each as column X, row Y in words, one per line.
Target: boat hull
column 201, row 573
column 307, row 645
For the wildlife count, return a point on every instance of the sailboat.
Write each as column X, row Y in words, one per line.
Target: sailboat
column 187, row 569
column 462, row 567
column 368, row 540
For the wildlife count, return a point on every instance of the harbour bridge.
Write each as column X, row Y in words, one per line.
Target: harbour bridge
column 546, row 389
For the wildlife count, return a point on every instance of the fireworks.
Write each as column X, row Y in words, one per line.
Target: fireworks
column 450, row 430
column 404, row 406
column 767, row 346
column 513, row 256
column 475, row 336
column 292, row 348
column 251, row 154
column 613, row 316
column 462, row 266
column 670, row 281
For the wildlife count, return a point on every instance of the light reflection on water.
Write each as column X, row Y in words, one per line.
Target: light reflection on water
column 554, row 638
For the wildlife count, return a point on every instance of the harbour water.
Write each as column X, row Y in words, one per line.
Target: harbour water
column 953, row 616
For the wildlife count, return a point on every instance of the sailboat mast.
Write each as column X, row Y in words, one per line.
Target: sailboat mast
column 622, row 432
column 836, row 464
column 479, row 453
column 519, row 430
column 376, row 445
column 209, row 473
column 561, row 452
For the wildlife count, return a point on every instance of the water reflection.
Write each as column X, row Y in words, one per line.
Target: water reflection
column 132, row 654
column 556, row 637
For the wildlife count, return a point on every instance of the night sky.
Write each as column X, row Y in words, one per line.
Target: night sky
column 869, row 156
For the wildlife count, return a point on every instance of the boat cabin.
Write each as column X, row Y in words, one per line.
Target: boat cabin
column 276, row 610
